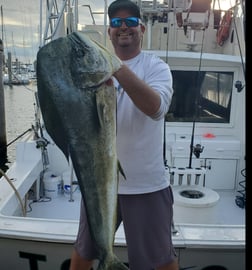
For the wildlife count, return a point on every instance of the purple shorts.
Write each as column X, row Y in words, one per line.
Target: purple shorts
column 147, row 221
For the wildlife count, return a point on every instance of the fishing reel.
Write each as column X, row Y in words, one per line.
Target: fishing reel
column 197, row 149
column 240, row 201
column 42, row 143
column 239, row 86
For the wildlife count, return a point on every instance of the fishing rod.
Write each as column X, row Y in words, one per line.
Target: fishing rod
column 18, row 137
column 196, row 150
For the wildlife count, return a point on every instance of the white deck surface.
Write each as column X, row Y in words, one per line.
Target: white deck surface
column 225, row 212
column 201, row 227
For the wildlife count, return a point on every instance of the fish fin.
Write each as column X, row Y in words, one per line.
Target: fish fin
column 118, row 266
column 120, row 169
column 114, row 264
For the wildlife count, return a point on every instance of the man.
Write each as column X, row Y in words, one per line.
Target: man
column 144, row 88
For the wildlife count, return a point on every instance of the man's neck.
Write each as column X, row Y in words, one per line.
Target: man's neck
column 126, row 53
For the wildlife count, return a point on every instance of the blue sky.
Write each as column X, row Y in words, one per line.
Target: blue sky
column 21, row 19
column 19, row 27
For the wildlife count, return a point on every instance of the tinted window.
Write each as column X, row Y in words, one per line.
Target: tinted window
column 203, row 96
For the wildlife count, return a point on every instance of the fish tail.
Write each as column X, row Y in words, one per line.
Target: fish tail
column 118, row 266
column 114, row 264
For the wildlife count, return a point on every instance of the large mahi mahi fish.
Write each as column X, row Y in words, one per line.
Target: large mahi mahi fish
column 79, row 112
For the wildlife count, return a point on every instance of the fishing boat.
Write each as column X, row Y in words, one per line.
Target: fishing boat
column 204, row 150
column 16, row 73
column 16, row 79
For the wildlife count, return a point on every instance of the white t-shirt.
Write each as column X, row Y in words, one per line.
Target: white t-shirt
column 140, row 137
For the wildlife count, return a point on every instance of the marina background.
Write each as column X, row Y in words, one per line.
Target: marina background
column 19, row 114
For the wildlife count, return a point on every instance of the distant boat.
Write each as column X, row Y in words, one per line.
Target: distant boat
column 20, row 79
column 5, row 78
column 17, row 79
column 18, row 73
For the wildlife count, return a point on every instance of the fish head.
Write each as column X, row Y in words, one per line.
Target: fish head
column 92, row 64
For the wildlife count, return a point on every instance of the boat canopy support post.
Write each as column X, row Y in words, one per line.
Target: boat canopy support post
column 3, row 140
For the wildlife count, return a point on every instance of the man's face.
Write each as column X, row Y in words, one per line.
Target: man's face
column 126, row 36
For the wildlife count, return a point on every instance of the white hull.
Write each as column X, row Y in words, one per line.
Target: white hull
column 29, row 254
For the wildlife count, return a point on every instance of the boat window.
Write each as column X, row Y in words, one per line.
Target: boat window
column 203, row 96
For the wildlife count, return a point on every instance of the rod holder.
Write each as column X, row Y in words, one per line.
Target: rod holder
column 172, row 178
column 180, row 181
column 189, row 177
column 193, row 175
column 197, row 179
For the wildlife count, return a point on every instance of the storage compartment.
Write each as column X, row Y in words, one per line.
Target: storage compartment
column 219, row 157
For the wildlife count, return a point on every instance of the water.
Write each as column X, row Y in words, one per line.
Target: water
column 19, row 114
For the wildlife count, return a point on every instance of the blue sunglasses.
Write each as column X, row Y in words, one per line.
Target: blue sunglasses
column 130, row 22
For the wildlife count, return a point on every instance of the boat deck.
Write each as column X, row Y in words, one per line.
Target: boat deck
column 62, row 207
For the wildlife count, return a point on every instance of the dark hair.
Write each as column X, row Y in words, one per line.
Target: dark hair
column 124, row 5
